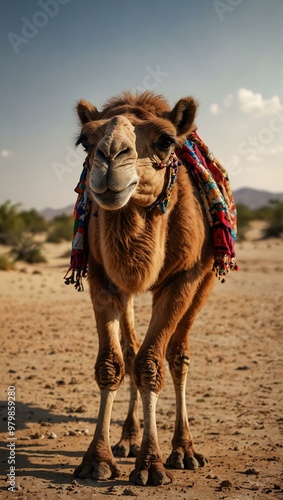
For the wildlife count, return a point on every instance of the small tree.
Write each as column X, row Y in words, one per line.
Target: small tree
column 28, row 250
column 11, row 223
column 275, row 226
column 61, row 229
column 244, row 217
column 263, row 213
column 34, row 222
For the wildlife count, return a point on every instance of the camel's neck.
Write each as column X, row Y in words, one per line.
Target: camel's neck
column 132, row 246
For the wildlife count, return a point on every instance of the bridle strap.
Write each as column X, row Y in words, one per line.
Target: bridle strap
column 163, row 199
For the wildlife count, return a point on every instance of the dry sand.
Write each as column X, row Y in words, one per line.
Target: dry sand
column 235, row 390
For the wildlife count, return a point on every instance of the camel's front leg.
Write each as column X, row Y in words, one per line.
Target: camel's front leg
column 168, row 309
column 149, row 467
column 99, row 462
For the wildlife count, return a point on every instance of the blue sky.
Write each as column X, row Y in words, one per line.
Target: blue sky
column 226, row 53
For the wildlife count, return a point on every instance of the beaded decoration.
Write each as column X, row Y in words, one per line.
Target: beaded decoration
column 163, row 200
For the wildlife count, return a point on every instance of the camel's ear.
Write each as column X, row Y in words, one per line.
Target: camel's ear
column 86, row 111
column 183, row 115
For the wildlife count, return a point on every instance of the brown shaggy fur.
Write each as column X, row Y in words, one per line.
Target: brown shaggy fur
column 133, row 250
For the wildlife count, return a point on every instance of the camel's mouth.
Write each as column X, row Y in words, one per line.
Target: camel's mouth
column 113, row 200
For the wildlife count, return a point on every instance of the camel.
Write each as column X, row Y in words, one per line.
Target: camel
column 133, row 248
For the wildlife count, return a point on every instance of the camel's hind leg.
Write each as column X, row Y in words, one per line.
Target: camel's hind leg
column 129, row 444
column 183, row 453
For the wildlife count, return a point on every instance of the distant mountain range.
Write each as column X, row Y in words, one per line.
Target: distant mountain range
column 252, row 198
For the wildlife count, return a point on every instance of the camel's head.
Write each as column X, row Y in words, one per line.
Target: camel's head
column 128, row 141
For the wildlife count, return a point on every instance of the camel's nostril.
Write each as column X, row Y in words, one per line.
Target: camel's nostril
column 123, row 152
column 100, row 154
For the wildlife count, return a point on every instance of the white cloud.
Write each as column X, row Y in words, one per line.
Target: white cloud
column 5, row 153
column 255, row 156
column 215, row 109
column 254, row 104
column 249, row 102
column 273, row 151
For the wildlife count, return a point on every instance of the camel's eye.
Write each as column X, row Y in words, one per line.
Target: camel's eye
column 83, row 141
column 85, row 144
column 165, row 142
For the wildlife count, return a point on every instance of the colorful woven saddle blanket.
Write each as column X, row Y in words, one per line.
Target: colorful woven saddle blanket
column 213, row 184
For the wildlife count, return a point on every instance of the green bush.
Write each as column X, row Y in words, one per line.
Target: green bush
column 61, row 229
column 244, row 217
column 263, row 213
column 6, row 263
column 33, row 221
column 28, row 250
column 275, row 226
column 11, row 223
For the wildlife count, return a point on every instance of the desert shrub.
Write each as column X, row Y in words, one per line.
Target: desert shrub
column 6, row 263
column 275, row 222
column 61, row 228
column 11, row 223
column 33, row 221
column 244, row 216
column 263, row 213
column 28, row 250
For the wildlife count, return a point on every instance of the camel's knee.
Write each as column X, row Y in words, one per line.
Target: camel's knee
column 109, row 370
column 179, row 362
column 149, row 372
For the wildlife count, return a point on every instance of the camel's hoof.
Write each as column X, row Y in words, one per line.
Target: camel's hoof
column 126, row 449
column 187, row 460
column 97, row 471
column 156, row 475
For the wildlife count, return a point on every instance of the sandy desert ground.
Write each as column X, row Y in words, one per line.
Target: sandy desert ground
column 235, row 390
